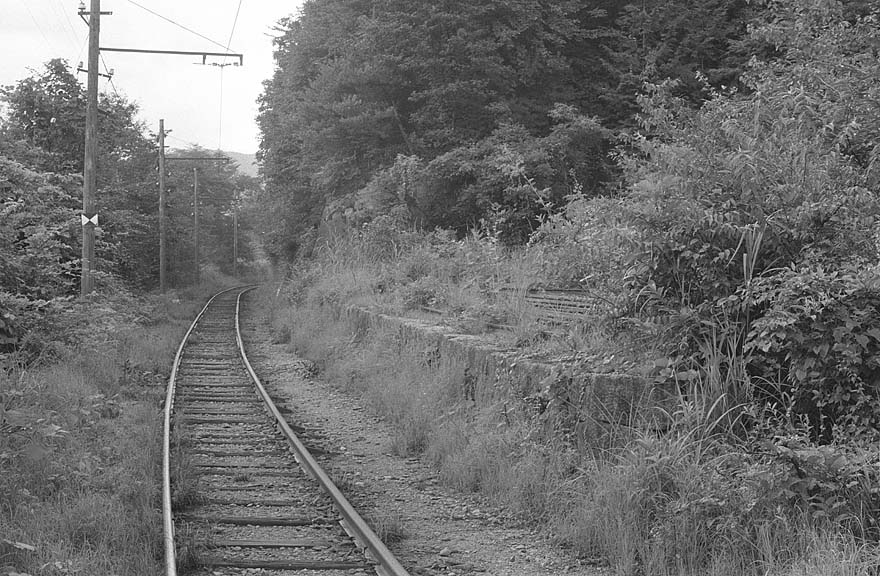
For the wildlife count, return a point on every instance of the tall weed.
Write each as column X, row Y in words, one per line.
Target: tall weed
column 79, row 440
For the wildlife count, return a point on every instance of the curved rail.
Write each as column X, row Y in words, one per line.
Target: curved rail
column 385, row 563
column 167, row 517
column 357, row 528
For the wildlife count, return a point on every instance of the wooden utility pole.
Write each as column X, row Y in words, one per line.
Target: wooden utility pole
column 235, row 235
column 196, row 222
column 162, row 160
column 89, row 218
column 162, row 281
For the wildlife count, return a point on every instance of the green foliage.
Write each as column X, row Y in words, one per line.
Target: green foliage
column 474, row 92
column 512, row 180
column 679, row 504
column 829, row 483
column 589, row 246
column 753, row 203
column 469, row 92
column 221, row 187
column 79, row 440
column 41, row 145
column 38, row 232
column 682, row 40
column 821, row 330
column 44, row 135
column 740, row 251
column 48, row 111
column 723, row 489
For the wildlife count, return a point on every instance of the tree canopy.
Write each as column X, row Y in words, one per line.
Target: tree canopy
column 43, row 135
column 42, row 138
column 365, row 87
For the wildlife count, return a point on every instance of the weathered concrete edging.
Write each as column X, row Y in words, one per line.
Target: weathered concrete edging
column 583, row 398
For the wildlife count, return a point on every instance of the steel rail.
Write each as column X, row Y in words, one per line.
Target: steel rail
column 167, row 517
column 354, row 524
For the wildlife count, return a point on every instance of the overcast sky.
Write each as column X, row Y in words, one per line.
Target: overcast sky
column 186, row 95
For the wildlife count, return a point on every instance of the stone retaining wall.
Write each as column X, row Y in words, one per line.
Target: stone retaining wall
column 582, row 398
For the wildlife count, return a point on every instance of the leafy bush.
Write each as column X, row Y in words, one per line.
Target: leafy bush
column 512, row 179
column 830, row 484
column 38, row 235
column 740, row 205
column 588, row 246
column 821, row 333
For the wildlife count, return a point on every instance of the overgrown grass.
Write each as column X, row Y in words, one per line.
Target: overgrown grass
column 184, row 476
column 692, row 494
column 758, row 309
column 388, row 525
column 80, row 445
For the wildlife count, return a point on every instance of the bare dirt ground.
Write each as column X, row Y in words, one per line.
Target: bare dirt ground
column 433, row 530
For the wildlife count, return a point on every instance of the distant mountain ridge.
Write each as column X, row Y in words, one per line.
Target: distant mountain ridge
column 247, row 163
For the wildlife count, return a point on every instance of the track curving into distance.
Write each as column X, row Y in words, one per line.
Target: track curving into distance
column 241, row 493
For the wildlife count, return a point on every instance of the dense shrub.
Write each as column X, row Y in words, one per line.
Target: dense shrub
column 743, row 247
column 755, row 202
column 821, row 333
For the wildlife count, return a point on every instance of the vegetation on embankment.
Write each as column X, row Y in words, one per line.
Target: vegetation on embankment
column 718, row 491
column 42, row 130
column 81, row 384
column 425, row 105
column 80, row 435
column 736, row 261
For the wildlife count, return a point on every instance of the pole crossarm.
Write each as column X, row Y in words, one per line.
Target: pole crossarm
column 108, row 75
column 203, row 54
column 204, row 158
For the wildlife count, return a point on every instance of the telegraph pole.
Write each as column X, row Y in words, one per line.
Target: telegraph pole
column 162, row 160
column 162, row 280
column 235, row 235
column 196, row 220
column 89, row 218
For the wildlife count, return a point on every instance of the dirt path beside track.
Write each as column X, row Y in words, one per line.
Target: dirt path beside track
column 439, row 531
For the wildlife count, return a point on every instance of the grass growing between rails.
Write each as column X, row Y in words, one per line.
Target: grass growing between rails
column 80, row 436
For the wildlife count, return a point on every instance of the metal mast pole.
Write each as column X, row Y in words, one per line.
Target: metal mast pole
column 162, row 280
column 235, row 235
column 91, row 152
column 196, row 221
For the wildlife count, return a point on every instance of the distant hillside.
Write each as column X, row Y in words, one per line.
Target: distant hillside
column 247, row 163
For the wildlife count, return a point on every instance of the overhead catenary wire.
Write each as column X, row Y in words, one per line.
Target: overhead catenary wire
column 82, row 49
column 222, row 67
column 181, row 140
column 109, row 74
column 179, row 25
column 223, row 54
column 234, row 22
column 70, row 27
column 36, row 23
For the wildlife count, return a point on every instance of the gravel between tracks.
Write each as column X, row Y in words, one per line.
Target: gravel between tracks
column 446, row 533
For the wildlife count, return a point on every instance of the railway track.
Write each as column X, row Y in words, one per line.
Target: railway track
column 561, row 305
column 241, row 493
